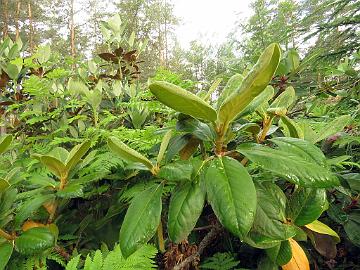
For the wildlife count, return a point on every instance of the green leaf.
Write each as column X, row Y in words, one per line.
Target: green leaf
column 232, row 85
column 76, row 154
column 54, row 165
column 212, row 88
column 199, row 129
column 225, row 181
column 72, row 265
column 71, row 190
column 292, row 129
column 306, row 205
column 5, row 142
column 43, row 53
column 301, row 148
column 262, row 98
column 12, row 71
column 141, row 220
column 290, row 166
column 177, row 171
column 127, row 153
column 322, row 228
column 254, row 83
column 6, row 250
column 185, row 207
column 30, row 206
column 352, row 228
column 292, row 60
column 35, row 241
column 164, row 144
column 285, row 99
column 333, row 127
column 270, row 224
column 280, row 254
column 182, row 101
column 4, row 184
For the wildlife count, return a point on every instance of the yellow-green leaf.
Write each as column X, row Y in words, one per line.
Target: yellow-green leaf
column 182, row 101
column 163, row 146
column 322, row 228
column 76, row 154
column 5, row 143
column 54, row 165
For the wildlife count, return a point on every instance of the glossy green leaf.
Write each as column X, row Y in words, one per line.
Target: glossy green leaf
column 231, row 86
column 262, row 98
column 280, row 254
column 285, row 99
column 175, row 145
column 225, row 181
column 199, row 129
column 182, row 101
column 6, row 249
column 127, row 153
column 270, row 224
column 5, row 142
column 76, row 154
column 141, row 220
column 333, row 127
column 290, row 166
column 254, row 83
column 301, row 148
column 30, row 206
column 164, row 144
column 35, row 241
column 306, row 205
column 177, row 171
column 322, row 228
column 185, row 207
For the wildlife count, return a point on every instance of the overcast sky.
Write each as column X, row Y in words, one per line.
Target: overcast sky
column 208, row 20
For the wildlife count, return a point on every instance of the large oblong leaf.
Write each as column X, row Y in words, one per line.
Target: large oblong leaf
column 233, row 83
column 254, row 83
column 270, row 226
column 280, row 254
column 54, row 165
column 290, row 165
column 231, row 193
column 141, row 220
column 6, row 250
column 182, row 101
column 34, row 241
column 333, row 127
column 306, row 205
column 127, row 153
column 319, row 227
column 164, row 144
column 298, row 261
column 185, row 207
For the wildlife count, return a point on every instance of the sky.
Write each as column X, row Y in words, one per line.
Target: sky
column 209, row 21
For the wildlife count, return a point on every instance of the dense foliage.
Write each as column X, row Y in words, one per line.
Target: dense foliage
column 245, row 164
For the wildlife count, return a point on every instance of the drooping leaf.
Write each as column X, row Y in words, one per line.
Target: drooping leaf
column 141, row 220
column 323, row 243
column 306, row 205
column 270, row 224
column 6, row 249
column 289, row 165
column 127, row 153
column 254, row 83
column 280, row 254
column 292, row 128
column 35, row 241
column 322, row 228
column 333, row 127
column 199, row 129
column 225, row 181
column 298, row 261
column 164, row 144
column 5, row 142
column 182, row 101
column 185, row 207
column 76, row 154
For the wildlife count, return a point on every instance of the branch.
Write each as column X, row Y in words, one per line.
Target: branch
column 203, row 244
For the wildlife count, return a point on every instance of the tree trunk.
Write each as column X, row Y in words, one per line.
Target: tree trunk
column 5, row 14
column 72, row 29
column 31, row 32
column 17, row 18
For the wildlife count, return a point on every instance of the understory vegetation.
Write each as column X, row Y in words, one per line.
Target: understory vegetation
column 243, row 159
